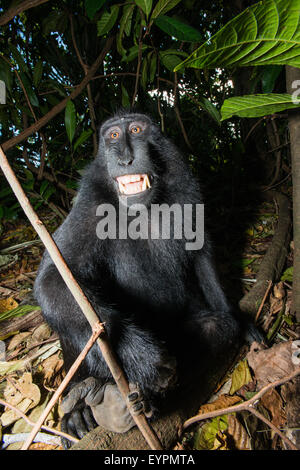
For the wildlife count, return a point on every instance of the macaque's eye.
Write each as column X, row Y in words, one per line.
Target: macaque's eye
column 135, row 130
column 115, row 135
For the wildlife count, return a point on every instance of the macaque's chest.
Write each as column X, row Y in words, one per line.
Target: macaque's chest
column 153, row 275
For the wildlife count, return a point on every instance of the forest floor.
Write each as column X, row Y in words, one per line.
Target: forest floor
column 31, row 363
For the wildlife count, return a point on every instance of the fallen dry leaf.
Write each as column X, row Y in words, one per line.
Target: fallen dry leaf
column 238, row 433
column 273, row 402
column 17, row 339
column 224, row 401
column 241, row 376
column 271, row 364
column 21, row 393
column 52, row 366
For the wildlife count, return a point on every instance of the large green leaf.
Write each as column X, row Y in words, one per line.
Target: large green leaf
column 70, row 120
column 163, row 6
column 92, row 6
column 265, row 33
column 82, row 138
column 257, row 105
column 176, row 28
column 171, row 57
column 125, row 26
column 107, row 20
column 145, row 5
column 37, row 73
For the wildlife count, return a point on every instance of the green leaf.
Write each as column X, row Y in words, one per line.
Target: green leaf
column 51, row 21
column 133, row 53
column 257, row 105
column 92, row 6
column 288, row 275
column 144, row 73
column 269, row 77
column 241, row 376
column 125, row 97
column 18, row 59
column 82, row 138
column 265, row 33
column 145, row 5
column 211, row 109
column 170, row 58
column 162, row 7
column 152, row 68
column 27, row 85
column 44, row 186
column 6, row 74
column 179, row 30
column 205, row 436
column 70, row 120
column 37, row 73
column 125, row 26
column 107, row 20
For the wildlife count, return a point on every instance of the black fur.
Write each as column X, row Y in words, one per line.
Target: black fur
column 156, row 298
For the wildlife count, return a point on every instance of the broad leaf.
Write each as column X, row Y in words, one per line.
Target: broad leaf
column 92, row 6
column 269, row 77
column 125, row 27
column 257, row 105
column 82, row 138
column 37, row 73
column 162, row 7
column 179, row 30
column 170, row 58
column 145, row 5
column 125, row 97
column 211, row 109
column 28, row 87
column 265, row 33
column 107, row 20
column 70, row 120
column 133, row 53
column 6, row 74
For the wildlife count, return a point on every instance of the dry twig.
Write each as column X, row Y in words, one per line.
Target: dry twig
column 97, row 330
column 43, row 426
column 249, row 406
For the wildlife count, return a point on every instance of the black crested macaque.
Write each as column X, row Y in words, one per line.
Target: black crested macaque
column 157, row 292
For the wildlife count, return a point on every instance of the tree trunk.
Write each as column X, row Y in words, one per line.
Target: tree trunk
column 293, row 74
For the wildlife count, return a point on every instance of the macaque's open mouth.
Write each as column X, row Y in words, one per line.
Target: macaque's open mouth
column 133, row 184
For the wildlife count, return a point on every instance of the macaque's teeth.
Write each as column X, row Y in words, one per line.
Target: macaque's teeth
column 121, row 188
column 144, row 186
column 148, row 185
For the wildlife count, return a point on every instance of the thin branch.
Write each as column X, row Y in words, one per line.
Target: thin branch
column 31, row 423
column 16, row 10
column 60, row 106
column 22, row 85
column 263, row 301
column 139, row 61
column 89, row 91
column 97, row 330
column 79, row 296
column 249, row 406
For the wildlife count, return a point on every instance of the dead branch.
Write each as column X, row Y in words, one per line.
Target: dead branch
column 98, row 329
column 79, row 296
column 16, row 10
column 249, row 406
